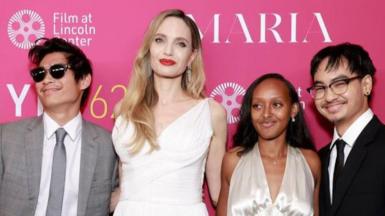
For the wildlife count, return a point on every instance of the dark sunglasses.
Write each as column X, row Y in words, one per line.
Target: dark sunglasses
column 57, row 71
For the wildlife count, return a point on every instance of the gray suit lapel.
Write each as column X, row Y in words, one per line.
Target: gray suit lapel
column 34, row 139
column 87, row 165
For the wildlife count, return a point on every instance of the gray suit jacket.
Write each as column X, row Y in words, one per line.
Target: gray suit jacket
column 21, row 146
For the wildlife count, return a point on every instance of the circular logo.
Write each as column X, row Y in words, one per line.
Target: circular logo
column 230, row 96
column 24, row 27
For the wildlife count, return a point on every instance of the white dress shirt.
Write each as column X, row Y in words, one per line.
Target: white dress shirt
column 72, row 143
column 350, row 137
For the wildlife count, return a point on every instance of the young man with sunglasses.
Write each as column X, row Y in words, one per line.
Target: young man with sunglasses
column 57, row 164
column 353, row 164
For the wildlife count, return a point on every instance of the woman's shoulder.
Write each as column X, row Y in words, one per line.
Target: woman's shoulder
column 218, row 112
column 215, row 106
column 230, row 160
column 120, row 119
column 117, row 109
column 312, row 160
column 310, row 155
column 235, row 151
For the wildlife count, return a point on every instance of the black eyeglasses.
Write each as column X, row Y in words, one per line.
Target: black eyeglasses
column 338, row 87
column 57, row 71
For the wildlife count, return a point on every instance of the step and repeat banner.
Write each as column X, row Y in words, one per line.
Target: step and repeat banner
column 241, row 41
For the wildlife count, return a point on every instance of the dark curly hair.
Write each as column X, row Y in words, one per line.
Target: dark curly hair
column 297, row 134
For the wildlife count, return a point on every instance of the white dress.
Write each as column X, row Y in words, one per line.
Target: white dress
column 167, row 181
column 249, row 193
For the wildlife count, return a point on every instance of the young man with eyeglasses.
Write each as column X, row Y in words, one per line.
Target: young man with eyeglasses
column 353, row 164
column 57, row 164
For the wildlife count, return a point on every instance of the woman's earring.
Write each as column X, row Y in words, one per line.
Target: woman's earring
column 292, row 119
column 188, row 74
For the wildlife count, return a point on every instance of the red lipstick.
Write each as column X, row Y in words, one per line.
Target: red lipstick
column 167, row 62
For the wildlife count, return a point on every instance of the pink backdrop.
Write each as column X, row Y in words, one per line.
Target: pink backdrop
column 241, row 41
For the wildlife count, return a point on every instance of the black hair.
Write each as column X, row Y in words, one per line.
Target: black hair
column 356, row 57
column 80, row 64
column 297, row 134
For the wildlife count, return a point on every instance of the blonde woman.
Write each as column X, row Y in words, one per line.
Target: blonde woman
column 167, row 134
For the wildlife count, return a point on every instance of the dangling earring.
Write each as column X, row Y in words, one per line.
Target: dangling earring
column 293, row 119
column 188, row 74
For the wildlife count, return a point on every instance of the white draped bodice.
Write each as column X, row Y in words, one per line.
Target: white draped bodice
column 170, row 175
column 249, row 193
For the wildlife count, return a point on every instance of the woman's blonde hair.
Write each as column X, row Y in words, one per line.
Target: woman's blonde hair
column 141, row 96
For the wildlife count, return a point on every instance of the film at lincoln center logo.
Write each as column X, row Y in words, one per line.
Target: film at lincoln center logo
column 230, row 95
column 24, row 27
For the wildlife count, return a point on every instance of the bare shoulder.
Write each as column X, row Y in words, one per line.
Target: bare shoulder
column 117, row 108
column 230, row 161
column 217, row 110
column 313, row 160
